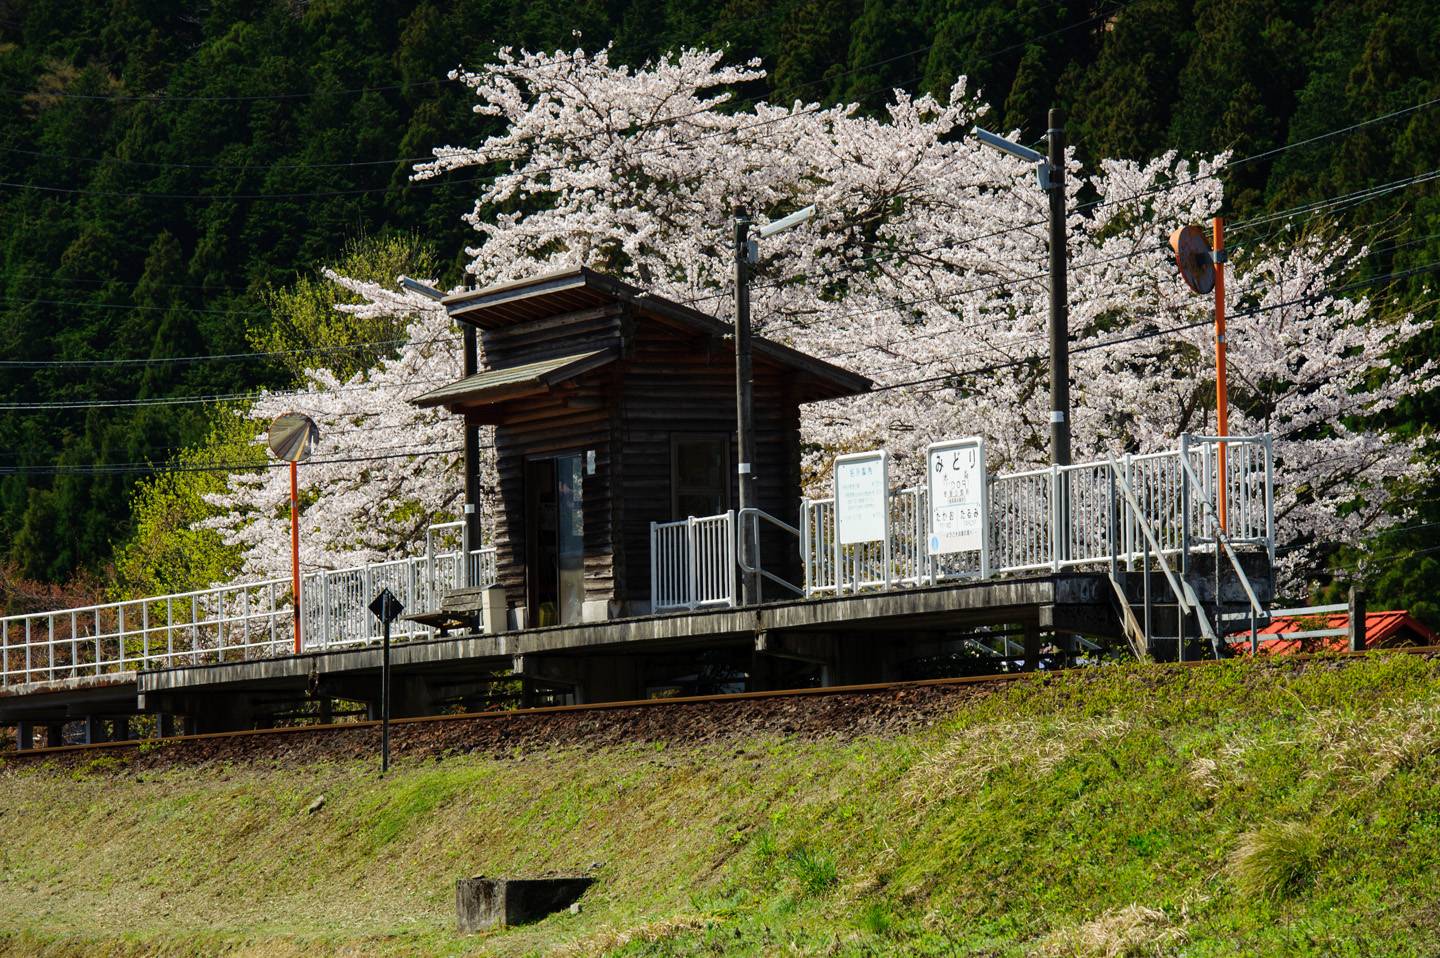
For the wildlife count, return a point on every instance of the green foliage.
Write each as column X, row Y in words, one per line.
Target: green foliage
column 814, row 871
column 305, row 324
column 167, row 553
column 1088, row 813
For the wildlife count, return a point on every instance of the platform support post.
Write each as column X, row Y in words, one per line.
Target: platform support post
column 1032, row 646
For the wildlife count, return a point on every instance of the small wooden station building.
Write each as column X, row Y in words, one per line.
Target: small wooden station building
column 614, row 408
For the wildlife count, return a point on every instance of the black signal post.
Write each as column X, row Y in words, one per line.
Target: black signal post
column 387, row 609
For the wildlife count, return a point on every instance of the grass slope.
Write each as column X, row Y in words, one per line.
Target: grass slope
column 1235, row 808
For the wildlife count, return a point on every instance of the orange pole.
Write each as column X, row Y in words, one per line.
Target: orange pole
column 295, row 546
column 1222, row 403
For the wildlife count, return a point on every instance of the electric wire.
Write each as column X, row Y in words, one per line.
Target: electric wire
column 218, row 357
column 1152, row 334
column 438, row 180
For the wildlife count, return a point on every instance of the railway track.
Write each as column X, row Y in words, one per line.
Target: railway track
column 835, row 710
column 928, row 690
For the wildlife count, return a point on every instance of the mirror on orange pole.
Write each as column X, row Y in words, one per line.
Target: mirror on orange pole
column 1203, row 270
column 291, row 436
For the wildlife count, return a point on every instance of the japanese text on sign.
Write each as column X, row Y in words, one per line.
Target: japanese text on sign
column 956, row 482
column 860, row 506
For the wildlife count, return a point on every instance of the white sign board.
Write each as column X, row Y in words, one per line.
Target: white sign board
column 861, row 482
column 957, row 494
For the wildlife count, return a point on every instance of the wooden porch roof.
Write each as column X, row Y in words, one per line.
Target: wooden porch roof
column 514, row 382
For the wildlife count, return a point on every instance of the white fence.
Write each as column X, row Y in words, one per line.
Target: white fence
column 235, row 622
column 692, row 563
column 1051, row 519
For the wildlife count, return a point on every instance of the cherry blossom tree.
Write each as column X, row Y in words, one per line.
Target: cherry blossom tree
column 924, row 269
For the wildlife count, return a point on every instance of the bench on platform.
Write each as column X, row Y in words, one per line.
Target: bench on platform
column 469, row 609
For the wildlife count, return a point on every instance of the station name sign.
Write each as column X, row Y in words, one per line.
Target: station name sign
column 957, row 493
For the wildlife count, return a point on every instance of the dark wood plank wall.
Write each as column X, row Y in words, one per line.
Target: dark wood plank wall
column 685, row 384
column 669, row 382
column 576, row 418
column 562, row 335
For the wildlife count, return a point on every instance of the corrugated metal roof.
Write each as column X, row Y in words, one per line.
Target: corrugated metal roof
column 1380, row 628
column 493, row 385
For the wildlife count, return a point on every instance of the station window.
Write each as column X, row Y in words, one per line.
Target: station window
column 699, row 474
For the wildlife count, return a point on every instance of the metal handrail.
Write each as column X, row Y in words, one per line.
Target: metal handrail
column 1145, row 530
column 754, row 515
column 1255, row 604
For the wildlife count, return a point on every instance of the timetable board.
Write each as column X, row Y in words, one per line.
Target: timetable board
column 861, row 510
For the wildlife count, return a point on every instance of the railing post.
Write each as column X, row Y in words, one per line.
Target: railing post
column 654, row 566
column 807, row 576
column 1113, row 525
column 1184, row 505
column 1269, row 499
column 245, row 623
column 885, row 552
column 370, row 579
column 144, row 634
column 327, row 625
column 691, row 556
column 120, row 627
column 733, row 574
column 1356, row 626
column 463, row 573
column 1055, row 531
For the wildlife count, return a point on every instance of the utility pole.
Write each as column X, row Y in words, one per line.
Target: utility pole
column 1059, row 303
column 471, row 535
column 744, row 409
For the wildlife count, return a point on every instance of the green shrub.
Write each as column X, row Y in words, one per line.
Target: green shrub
column 815, row 871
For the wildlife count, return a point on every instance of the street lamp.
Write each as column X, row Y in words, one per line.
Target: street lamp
column 1050, row 170
column 747, row 252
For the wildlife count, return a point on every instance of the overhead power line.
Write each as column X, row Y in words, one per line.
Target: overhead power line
column 1265, row 154
column 1345, row 200
column 216, row 357
column 437, row 181
column 123, row 468
column 202, row 400
column 1152, row 334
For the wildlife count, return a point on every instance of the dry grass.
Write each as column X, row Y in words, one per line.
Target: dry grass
column 969, row 757
column 610, row 939
column 1276, row 859
column 1128, row 932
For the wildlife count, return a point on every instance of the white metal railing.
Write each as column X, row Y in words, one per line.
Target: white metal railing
column 693, row 563
column 1127, row 510
column 232, row 622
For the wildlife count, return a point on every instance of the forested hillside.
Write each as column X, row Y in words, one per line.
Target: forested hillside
column 166, row 169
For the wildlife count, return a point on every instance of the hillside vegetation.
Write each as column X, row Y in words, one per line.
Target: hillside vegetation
column 1263, row 809
column 166, row 169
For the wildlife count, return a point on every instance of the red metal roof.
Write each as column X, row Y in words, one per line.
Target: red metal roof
column 1395, row 627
